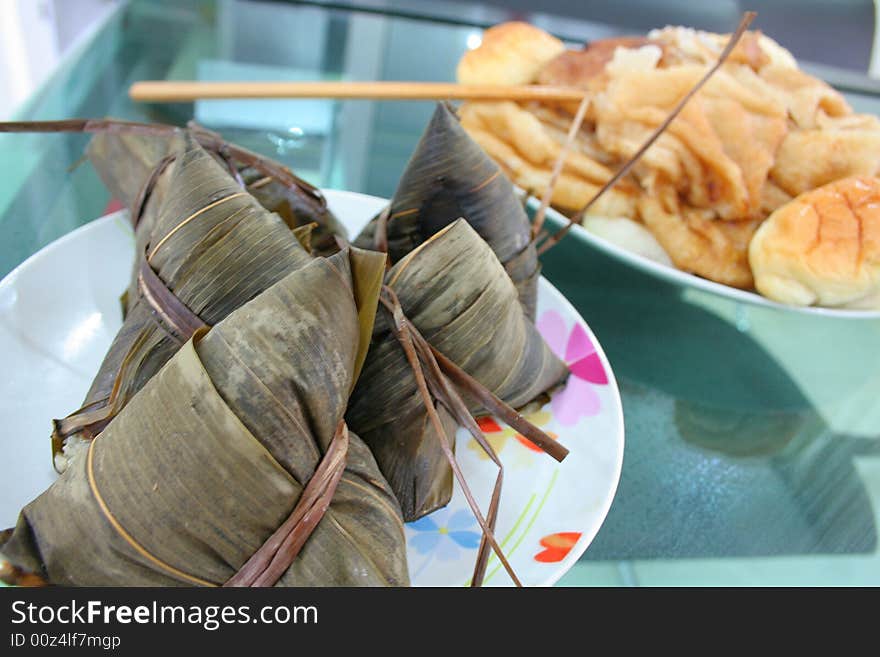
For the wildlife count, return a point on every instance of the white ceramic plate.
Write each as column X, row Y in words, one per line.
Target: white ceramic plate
column 59, row 311
column 684, row 279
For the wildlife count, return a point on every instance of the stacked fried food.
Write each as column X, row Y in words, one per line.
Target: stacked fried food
column 760, row 133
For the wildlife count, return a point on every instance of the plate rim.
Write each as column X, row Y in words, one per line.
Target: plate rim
column 46, row 250
column 588, row 532
column 686, row 279
column 586, row 538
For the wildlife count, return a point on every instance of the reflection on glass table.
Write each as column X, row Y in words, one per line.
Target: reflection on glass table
column 753, row 434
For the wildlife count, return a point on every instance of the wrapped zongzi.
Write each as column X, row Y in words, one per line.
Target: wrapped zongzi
column 450, row 177
column 133, row 164
column 213, row 472
column 215, row 248
column 456, row 293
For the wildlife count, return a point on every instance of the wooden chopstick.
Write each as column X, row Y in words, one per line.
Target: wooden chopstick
column 161, row 91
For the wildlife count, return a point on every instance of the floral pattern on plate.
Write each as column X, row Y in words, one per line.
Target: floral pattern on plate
column 537, row 490
column 80, row 275
column 557, row 546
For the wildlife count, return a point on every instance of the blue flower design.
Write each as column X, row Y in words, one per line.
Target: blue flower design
column 442, row 534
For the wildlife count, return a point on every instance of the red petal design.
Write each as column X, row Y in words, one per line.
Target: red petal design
column 530, row 445
column 558, row 546
column 488, row 425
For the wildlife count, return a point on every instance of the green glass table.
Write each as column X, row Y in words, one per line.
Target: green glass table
column 753, row 435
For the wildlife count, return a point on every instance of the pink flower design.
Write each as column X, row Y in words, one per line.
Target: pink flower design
column 578, row 398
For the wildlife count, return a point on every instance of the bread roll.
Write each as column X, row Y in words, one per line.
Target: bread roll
column 511, row 53
column 823, row 247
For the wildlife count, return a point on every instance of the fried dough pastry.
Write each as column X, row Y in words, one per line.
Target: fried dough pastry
column 687, row 45
column 526, row 145
column 823, row 248
column 711, row 248
column 717, row 153
column 808, row 100
column 842, row 147
column 757, row 135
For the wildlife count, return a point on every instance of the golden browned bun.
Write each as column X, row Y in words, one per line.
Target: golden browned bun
column 511, row 53
column 823, row 247
column 585, row 68
column 577, row 68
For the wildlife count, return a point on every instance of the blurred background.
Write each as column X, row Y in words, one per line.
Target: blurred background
column 35, row 35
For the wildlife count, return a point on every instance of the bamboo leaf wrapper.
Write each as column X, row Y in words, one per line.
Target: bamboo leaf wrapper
column 210, row 457
column 459, row 297
column 448, row 177
column 215, row 248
